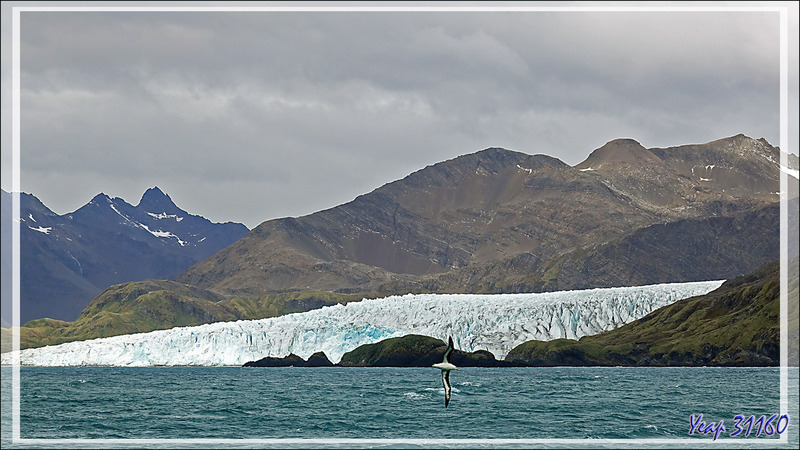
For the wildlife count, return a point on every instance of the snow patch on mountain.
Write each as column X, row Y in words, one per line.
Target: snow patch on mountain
column 45, row 230
column 163, row 234
column 164, row 215
column 496, row 323
column 127, row 219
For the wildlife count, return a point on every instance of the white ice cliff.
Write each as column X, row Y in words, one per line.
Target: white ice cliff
column 496, row 323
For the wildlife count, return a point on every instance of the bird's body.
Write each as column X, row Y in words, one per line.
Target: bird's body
column 446, row 366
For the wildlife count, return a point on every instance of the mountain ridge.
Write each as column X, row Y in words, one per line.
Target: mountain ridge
column 489, row 206
column 493, row 221
column 67, row 259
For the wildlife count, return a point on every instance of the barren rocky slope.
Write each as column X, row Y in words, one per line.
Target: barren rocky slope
column 447, row 226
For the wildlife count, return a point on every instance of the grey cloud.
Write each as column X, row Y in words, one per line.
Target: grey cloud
column 294, row 112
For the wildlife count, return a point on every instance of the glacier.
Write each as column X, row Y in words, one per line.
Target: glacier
column 493, row 322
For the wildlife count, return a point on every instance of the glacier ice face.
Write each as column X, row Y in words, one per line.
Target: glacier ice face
column 496, row 322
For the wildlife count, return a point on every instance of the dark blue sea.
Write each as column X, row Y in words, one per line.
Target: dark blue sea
column 180, row 407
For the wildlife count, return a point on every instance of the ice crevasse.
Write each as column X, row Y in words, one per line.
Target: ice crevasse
column 493, row 322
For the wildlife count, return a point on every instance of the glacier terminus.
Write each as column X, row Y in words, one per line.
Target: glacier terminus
column 493, row 322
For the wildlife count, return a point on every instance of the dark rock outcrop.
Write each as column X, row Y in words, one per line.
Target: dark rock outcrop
column 415, row 350
column 318, row 359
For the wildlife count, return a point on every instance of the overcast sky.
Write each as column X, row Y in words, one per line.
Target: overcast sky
column 249, row 116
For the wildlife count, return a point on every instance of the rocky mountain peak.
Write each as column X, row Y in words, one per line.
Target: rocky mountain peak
column 155, row 200
column 107, row 241
column 462, row 224
column 624, row 150
column 742, row 145
column 100, row 198
column 497, row 154
column 491, row 161
column 497, row 159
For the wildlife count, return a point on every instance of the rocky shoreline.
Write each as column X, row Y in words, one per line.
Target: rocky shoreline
column 408, row 351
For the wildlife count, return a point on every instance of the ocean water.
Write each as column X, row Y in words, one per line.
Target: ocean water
column 390, row 407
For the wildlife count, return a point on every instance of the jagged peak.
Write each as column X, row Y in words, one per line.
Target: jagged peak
column 100, row 198
column 730, row 148
column 156, row 198
column 154, row 192
column 738, row 137
column 30, row 201
column 738, row 140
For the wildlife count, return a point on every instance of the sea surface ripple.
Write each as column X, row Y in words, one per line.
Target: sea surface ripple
column 168, row 407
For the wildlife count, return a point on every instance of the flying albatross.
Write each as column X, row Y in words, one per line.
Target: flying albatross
column 446, row 367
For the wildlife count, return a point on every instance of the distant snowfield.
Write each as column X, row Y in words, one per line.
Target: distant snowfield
column 496, row 323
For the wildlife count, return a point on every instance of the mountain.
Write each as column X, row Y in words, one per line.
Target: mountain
column 66, row 260
column 706, row 176
column 735, row 325
column 494, row 221
column 504, row 221
column 719, row 247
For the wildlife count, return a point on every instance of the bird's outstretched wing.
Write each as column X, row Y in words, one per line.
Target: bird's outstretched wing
column 446, row 382
column 449, row 349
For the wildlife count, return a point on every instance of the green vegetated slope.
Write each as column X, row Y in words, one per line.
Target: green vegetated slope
column 735, row 325
column 407, row 351
column 150, row 305
column 414, row 350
